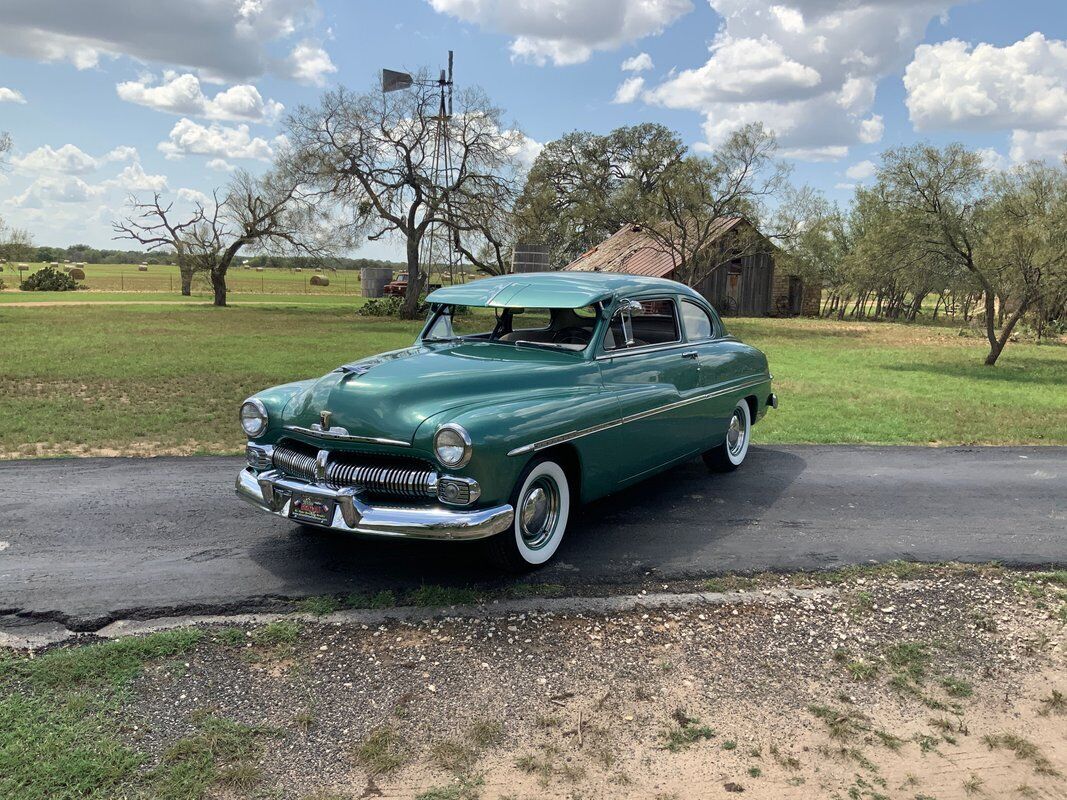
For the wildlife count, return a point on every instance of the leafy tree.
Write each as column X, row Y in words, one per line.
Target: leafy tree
column 373, row 156
column 583, row 187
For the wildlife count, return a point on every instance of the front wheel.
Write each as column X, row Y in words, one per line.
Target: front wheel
column 542, row 503
column 729, row 455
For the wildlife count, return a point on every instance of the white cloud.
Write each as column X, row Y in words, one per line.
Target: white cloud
column 134, row 179
column 221, row 165
column 11, row 95
column 193, row 196
column 861, row 170
column 189, row 138
column 807, row 69
column 629, row 90
column 1021, row 87
column 49, row 189
column 308, row 63
column 66, row 160
column 566, row 31
column 181, row 94
column 638, row 63
column 221, row 38
column 872, row 129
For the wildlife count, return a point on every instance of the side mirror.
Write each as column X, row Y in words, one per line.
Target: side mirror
column 625, row 311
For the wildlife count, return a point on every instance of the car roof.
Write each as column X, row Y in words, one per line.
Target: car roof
column 551, row 289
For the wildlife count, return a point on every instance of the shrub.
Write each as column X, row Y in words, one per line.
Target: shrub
column 49, row 279
column 388, row 307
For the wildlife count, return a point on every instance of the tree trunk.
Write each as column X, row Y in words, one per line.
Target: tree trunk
column 996, row 345
column 218, row 285
column 411, row 295
column 187, row 281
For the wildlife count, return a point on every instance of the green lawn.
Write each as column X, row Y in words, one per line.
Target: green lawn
column 144, row 379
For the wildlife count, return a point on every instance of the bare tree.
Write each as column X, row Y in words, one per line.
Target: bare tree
column 264, row 213
column 373, row 155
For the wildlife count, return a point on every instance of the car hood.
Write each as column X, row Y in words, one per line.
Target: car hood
column 389, row 396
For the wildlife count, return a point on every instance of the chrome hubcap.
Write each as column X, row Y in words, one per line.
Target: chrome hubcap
column 735, row 435
column 539, row 511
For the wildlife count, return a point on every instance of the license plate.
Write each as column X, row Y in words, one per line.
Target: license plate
column 311, row 508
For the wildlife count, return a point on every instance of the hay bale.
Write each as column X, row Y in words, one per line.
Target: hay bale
column 142, row 268
column 77, row 273
column 297, row 269
column 259, row 269
column 320, row 280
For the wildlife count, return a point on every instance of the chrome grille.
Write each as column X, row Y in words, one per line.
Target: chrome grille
column 353, row 471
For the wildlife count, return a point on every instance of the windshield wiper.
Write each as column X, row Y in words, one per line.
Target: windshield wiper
column 438, row 339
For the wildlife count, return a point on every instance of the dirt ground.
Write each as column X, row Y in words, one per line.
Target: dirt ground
column 946, row 685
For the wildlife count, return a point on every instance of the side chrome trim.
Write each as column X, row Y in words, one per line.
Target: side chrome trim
column 344, row 437
column 577, row 434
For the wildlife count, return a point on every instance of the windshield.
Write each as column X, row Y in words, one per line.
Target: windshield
column 557, row 328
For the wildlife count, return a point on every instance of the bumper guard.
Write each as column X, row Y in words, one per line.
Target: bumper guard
column 272, row 491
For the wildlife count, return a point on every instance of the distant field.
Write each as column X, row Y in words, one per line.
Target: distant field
column 150, row 379
column 165, row 278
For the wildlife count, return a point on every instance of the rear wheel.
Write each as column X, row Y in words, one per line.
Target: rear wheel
column 542, row 503
column 729, row 455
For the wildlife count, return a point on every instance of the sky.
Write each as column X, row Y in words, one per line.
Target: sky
column 104, row 98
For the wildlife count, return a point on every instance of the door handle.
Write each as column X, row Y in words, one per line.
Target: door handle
column 690, row 354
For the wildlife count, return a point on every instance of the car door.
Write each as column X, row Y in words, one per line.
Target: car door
column 719, row 368
column 651, row 378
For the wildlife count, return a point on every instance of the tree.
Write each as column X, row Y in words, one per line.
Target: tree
column 266, row 212
column 954, row 215
column 583, row 187
column 686, row 213
column 373, row 156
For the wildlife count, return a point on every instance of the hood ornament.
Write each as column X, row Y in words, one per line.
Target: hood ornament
column 324, row 426
column 324, row 419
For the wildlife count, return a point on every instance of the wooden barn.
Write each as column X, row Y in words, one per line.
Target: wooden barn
column 748, row 285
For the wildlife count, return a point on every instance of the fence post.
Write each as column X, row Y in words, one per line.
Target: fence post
column 122, row 282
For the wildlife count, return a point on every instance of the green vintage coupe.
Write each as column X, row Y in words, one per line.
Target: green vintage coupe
column 523, row 395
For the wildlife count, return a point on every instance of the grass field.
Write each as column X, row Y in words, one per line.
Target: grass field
column 165, row 279
column 150, row 379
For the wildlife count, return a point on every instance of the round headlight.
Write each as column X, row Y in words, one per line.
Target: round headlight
column 253, row 418
column 452, row 445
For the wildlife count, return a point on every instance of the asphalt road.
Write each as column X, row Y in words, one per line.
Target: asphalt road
column 86, row 541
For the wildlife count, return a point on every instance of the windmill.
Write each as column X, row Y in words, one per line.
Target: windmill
column 441, row 161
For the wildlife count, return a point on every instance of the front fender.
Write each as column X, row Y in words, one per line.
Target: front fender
column 275, row 399
column 497, row 428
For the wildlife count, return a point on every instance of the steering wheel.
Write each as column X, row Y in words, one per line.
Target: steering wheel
column 571, row 335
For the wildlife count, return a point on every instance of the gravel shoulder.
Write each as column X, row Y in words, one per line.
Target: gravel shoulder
column 891, row 682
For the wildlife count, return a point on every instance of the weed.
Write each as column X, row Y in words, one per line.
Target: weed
column 230, row 637
column 221, row 751
column 927, row 743
column 1055, row 703
column 466, row 789
column 688, row 733
column 452, row 756
column 729, row 744
column 754, row 772
column 319, row 606
column 275, row 634
column 862, row 670
column 955, row 687
column 840, row 724
column 381, row 752
column 973, row 785
column 888, row 740
column 1024, row 750
column 484, row 733
column 434, row 595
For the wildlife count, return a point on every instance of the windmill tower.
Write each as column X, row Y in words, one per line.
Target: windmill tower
column 440, row 235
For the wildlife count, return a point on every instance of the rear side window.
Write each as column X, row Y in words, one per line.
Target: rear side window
column 697, row 323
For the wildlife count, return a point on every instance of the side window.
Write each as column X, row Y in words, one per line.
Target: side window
column 698, row 325
column 654, row 323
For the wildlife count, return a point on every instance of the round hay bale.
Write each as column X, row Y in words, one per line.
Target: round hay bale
column 259, row 269
column 297, row 269
column 320, row 280
column 77, row 273
column 142, row 268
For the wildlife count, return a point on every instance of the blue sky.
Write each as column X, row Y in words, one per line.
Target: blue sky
column 107, row 97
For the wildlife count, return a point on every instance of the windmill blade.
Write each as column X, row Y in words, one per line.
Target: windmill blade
column 393, row 80
column 450, row 54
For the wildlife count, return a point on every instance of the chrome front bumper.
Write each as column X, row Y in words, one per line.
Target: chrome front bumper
column 271, row 491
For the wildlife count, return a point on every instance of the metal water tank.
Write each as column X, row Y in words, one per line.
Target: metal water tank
column 374, row 280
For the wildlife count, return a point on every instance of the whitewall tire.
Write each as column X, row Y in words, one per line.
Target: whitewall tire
column 729, row 455
column 542, row 503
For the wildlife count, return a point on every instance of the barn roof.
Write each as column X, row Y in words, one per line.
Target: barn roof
column 631, row 251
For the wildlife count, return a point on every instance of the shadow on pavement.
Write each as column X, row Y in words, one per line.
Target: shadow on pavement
column 686, row 505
